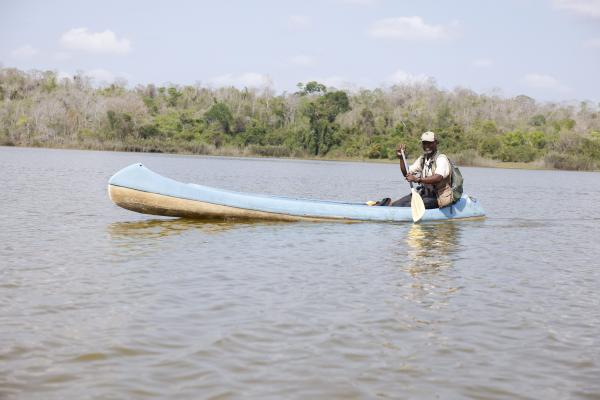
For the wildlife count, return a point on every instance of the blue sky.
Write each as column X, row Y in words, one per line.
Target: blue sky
column 548, row 49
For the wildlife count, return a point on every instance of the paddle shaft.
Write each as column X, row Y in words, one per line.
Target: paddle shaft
column 406, row 166
column 416, row 202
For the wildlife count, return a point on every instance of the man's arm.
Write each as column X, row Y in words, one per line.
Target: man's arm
column 430, row 180
column 403, row 168
column 443, row 166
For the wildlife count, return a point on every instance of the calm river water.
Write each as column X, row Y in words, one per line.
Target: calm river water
column 97, row 302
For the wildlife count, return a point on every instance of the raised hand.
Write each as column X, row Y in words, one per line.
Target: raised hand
column 401, row 148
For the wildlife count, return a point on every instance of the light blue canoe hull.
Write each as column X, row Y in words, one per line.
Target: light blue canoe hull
column 139, row 189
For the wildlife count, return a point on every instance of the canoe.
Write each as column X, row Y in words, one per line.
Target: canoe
column 137, row 188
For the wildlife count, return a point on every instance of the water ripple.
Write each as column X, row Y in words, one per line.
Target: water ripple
column 95, row 300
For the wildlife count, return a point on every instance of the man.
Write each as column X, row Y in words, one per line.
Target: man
column 432, row 170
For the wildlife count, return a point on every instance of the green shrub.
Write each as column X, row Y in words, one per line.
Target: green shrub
column 373, row 151
column 168, row 124
column 466, row 157
column 522, row 153
column 537, row 139
column 490, row 146
column 569, row 161
column 538, row 120
column 270, row 151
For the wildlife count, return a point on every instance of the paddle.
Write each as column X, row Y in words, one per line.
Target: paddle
column 416, row 202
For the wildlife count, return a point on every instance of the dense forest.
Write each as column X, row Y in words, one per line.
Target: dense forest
column 39, row 109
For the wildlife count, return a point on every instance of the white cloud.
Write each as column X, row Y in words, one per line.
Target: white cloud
column 303, row 60
column 592, row 43
column 483, row 63
column 299, row 22
column 584, row 8
column 401, row 77
column 95, row 42
column 541, row 81
column 246, row 79
column 26, row 51
column 411, row 28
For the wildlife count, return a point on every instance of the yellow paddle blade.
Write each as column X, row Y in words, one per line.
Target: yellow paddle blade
column 417, row 206
column 371, row 203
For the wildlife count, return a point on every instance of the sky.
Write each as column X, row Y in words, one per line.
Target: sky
column 546, row 49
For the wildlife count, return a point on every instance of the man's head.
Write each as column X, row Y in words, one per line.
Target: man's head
column 429, row 142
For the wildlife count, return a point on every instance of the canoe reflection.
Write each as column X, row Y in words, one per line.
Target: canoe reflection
column 158, row 228
column 431, row 246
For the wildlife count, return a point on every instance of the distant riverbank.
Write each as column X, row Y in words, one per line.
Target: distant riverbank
column 40, row 109
column 468, row 159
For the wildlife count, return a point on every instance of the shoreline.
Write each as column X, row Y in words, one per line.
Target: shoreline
column 233, row 152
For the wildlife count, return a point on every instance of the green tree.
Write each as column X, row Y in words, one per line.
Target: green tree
column 537, row 139
column 173, row 96
column 120, row 124
column 255, row 133
column 490, row 146
column 312, row 87
column 538, row 120
column 516, row 148
column 565, row 123
column 169, row 125
column 220, row 113
column 367, row 122
column 321, row 113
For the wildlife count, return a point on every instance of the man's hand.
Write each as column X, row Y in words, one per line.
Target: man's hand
column 401, row 148
column 412, row 178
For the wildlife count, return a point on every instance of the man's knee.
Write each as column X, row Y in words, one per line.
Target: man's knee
column 403, row 201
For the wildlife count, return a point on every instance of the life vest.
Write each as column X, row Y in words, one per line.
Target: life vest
column 449, row 189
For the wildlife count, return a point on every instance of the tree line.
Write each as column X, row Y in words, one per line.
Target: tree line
column 39, row 109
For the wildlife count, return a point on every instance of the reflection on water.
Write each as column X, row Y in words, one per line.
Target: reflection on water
column 146, row 237
column 431, row 246
column 428, row 260
column 158, row 228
